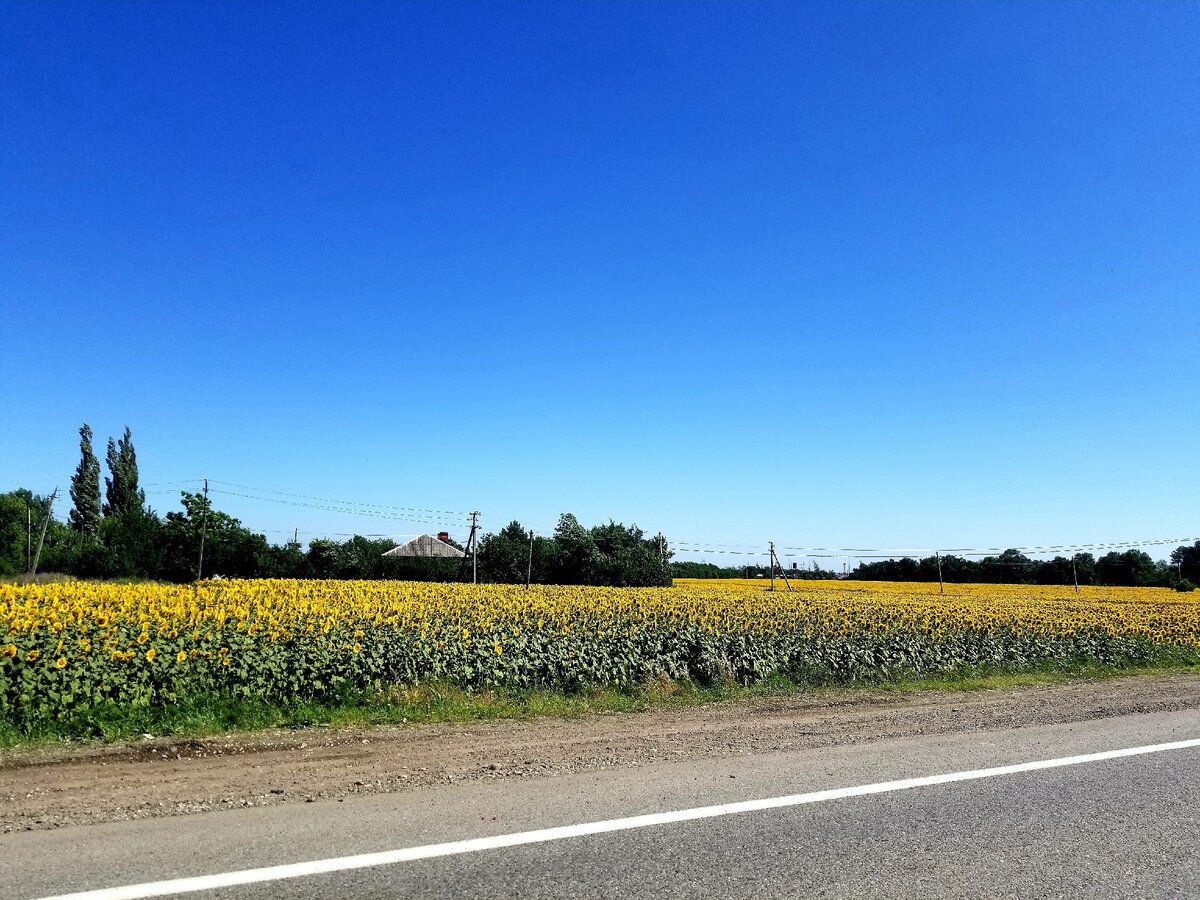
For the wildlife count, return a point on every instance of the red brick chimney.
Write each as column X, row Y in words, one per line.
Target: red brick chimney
column 444, row 537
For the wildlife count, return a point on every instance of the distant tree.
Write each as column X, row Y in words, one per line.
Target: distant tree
column 285, row 561
column 14, row 517
column 621, row 558
column 121, row 488
column 1085, row 568
column 85, row 488
column 322, row 557
column 504, row 558
column 230, row 549
column 1054, row 571
column 958, row 570
column 130, row 546
column 361, row 558
column 1010, row 567
column 575, row 562
column 1186, row 561
column 692, row 569
column 1133, row 568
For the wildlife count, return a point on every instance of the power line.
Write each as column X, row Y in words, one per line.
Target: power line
column 744, row 548
column 348, row 510
column 247, row 487
column 360, row 506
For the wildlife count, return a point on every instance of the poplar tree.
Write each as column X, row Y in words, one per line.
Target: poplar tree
column 121, row 490
column 85, row 487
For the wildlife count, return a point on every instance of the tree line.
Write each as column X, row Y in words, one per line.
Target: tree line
column 1126, row 568
column 113, row 534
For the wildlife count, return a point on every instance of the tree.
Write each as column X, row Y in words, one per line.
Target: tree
column 122, row 492
column 230, row 549
column 85, row 488
column 361, row 558
column 130, row 546
column 504, row 557
column 1186, row 561
column 575, row 561
column 1054, row 571
column 14, row 518
column 611, row 554
column 625, row 557
column 1010, row 567
column 1133, row 568
column 285, row 561
column 692, row 569
column 1085, row 568
column 322, row 557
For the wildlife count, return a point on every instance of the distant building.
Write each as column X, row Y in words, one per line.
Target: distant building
column 427, row 545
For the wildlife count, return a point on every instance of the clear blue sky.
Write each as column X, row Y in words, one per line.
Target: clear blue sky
column 851, row 275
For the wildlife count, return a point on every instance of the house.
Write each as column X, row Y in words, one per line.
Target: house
column 427, row 545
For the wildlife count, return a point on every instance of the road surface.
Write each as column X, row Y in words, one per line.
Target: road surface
column 1113, row 827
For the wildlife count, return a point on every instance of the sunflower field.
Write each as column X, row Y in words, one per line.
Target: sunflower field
column 72, row 646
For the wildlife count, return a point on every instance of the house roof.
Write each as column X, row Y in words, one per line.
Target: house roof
column 426, row 545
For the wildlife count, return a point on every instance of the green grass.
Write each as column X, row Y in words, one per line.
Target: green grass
column 441, row 702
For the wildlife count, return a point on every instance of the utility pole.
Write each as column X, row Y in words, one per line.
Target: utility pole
column 529, row 568
column 941, row 587
column 296, row 536
column 472, row 547
column 203, row 529
column 28, row 536
column 1075, row 574
column 782, row 573
column 42, row 538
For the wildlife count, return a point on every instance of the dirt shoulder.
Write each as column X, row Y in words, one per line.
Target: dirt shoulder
column 53, row 787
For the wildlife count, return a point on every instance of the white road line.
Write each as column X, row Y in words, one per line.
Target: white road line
column 409, row 854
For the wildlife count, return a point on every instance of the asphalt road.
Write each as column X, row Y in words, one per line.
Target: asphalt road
column 1114, row 828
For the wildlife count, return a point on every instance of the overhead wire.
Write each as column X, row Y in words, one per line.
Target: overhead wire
column 346, row 510
column 459, row 518
column 246, row 487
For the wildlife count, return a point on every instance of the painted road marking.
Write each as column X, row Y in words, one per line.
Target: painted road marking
column 453, row 848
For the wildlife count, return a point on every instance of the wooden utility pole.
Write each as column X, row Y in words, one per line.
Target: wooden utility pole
column 42, row 538
column 941, row 587
column 472, row 547
column 529, row 568
column 203, row 529
column 1075, row 574
column 782, row 574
